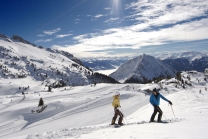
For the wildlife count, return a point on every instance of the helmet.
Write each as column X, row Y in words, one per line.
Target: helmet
column 117, row 93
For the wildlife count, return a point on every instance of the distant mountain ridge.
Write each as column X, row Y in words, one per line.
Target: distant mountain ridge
column 104, row 63
column 183, row 64
column 189, row 60
column 189, row 55
column 142, row 69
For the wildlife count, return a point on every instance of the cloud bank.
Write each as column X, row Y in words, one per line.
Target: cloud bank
column 157, row 22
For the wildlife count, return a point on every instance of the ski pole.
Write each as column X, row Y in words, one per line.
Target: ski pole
column 123, row 116
column 165, row 117
column 162, row 113
column 172, row 111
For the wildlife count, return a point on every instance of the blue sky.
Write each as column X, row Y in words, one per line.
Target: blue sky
column 94, row 28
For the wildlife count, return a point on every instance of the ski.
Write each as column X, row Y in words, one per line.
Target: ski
column 147, row 122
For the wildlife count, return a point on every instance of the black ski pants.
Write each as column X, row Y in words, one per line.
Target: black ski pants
column 156, row 109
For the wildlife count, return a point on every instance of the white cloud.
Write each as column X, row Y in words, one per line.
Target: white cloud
column 80, row 37
column 99, row 15
column 51, row 32
column 41, row 35
column 77, row 21
column 107, row 8
column 129, row 37
column 158, row 22
column 63, row 35
column 111, row 20
column 162, row 12
column 41, row 40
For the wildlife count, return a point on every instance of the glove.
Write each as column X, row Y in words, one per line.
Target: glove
column 170, row 103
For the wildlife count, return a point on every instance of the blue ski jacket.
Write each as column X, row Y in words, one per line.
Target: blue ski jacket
column 155, row 101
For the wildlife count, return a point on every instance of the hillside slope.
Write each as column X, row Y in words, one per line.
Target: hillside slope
column 21, row 59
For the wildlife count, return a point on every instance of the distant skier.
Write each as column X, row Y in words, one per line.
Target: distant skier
column 155, row 101
column 116, row 104
column 41, row 102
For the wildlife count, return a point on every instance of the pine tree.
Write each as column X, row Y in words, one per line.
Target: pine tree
column 49, row 88
column 189, row 78
column 182, row 81
column 178, row 76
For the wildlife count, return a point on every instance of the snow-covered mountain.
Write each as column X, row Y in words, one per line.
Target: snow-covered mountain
column 182, row 64
column 186, row 61
column 21, row 59
column 142, row 69
column 104, row 63
column 189, row 55
column 190, row 60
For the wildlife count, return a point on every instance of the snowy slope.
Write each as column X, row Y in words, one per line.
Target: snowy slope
column 74, row 107
column 141, row 69
column 194, row 125
column 21, row 59
column 85, row 112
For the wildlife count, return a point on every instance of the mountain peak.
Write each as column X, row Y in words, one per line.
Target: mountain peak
column 142, row 69
column 4, row 37
column 20, row 39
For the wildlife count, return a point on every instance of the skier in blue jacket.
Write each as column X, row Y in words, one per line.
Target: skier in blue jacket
column 155, row 101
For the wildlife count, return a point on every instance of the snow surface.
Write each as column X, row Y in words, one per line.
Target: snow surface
column 107, row 72
column 86, row 111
